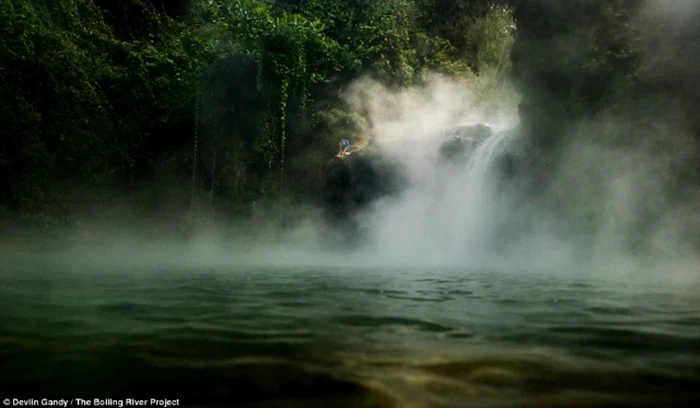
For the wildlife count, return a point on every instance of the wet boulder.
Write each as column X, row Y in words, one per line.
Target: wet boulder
column 356, row 180
column 461, row 141
column 353, row 183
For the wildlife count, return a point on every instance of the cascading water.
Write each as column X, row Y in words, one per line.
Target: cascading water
column 449, row 211
column 478, row 210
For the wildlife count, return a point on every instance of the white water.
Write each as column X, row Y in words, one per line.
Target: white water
column 476, row 203
column 449, row 211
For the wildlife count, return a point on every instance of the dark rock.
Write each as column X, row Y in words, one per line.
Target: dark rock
column 356, row 181
column 462, row 140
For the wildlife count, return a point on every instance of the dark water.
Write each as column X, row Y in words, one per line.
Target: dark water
column 347, row 337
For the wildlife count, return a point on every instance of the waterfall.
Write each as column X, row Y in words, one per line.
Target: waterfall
column 477, row 208
column 448, row 213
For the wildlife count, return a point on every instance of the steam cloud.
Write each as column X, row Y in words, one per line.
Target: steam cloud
column 456, row 216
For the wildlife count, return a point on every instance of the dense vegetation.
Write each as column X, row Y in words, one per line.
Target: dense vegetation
column 224, row 102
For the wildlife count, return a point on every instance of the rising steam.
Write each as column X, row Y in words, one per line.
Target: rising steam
column 451, row 215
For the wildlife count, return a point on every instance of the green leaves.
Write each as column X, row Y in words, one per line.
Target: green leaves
column 99, row 91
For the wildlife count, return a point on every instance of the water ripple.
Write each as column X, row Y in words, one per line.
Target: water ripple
column 303, row 338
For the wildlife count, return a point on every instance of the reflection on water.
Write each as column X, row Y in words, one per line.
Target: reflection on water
column 357, row 338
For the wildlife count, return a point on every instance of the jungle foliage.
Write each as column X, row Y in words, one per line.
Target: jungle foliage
column 233, row 99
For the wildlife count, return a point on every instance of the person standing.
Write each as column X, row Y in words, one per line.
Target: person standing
column 344, row 146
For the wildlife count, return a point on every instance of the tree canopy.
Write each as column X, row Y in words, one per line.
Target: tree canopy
column 107, row 97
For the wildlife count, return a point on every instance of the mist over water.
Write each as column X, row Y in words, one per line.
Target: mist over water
column 462, row 290
column 450, row 215
column 457, row 215
column 446, row 215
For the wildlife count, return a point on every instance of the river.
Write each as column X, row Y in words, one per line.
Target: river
column 353, row 337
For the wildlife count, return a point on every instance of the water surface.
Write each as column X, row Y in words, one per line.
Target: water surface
column 336, row 337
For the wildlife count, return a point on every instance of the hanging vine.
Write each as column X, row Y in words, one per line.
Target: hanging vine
column 301, row 82
column 284, row 50
column 259, row 78
column 284, row 88
column 264, row 146
column 194, row 147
